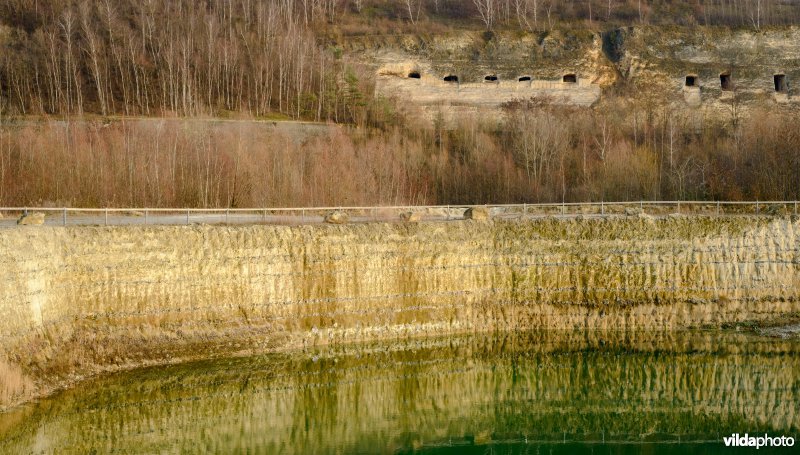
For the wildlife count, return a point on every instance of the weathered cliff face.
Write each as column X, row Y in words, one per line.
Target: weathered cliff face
column 473, row 55
column 714, row 68
column 77, row 301
column 742, row 67
column 491, row 69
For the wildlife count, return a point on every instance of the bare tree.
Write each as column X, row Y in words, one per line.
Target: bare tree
column 487, row 10
column 521, row 8
column 755, row 13
column 413, row 8
column 92, row 48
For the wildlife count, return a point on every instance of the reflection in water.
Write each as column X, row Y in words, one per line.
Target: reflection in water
column 508, row 393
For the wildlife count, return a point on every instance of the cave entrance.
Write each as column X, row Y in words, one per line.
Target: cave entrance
column 780, row 83
column 691, row 80
column 490, row 78
column 414, row 75
column 525, row 79
column 569, row 78
column 451, row 78
column 725, row 82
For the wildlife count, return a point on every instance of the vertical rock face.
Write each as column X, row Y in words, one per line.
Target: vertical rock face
column 75, row 301
column 709, row 70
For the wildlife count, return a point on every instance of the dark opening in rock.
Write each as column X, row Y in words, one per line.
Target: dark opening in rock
column 725, row 81
column 414, row 75
column 570, row 78
column 691, row 81
column 525, row 79
column 490, row 78
column 780, row 83
column 451, row 78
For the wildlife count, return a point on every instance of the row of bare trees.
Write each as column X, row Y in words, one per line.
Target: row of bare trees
column 629, row 150
column 177, row 163
column 259, row 58
column 542, row 14
column 146, row 57
column 528, row 13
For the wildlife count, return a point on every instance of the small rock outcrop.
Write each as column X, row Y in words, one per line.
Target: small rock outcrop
column 337, row 217
column 410, row 217
column 633, row 211
column 477, row 214
column 31, row 219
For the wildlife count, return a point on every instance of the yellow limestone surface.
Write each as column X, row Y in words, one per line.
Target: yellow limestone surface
column 78, row 301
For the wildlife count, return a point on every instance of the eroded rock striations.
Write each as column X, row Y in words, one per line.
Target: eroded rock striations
column 77, row 301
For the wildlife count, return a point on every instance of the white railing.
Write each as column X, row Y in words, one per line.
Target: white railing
column 303, row 215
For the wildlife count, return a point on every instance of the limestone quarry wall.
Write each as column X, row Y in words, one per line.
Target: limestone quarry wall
column 653, row 62
column 78, row 301
column 438, row 98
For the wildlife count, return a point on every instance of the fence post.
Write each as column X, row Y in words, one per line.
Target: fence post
column 717, row 208
column 679, row 206
column 562, row 208
column 227, row 211
column 602, row 208
column 65, row 216
column 105, row 214
column 795, row 207
column 187, row 216
column 145, row 216
column 303, row 216
column 524, row 210
column 757, row 207
column 448, row 212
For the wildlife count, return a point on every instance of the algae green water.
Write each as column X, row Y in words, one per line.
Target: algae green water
column 534, row 392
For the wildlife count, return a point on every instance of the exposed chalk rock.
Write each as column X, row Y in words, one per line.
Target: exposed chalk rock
column 633, row 211
column 76, row 299
column 337, row 217
column 31, row 219
column 477, row 214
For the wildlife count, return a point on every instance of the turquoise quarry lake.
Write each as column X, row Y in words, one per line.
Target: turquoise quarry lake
column 537, row 392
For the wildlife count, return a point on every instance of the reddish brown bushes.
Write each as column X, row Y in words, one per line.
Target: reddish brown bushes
column 541, row 153
column 198, row 164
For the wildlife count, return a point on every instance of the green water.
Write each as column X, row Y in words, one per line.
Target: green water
column 490, row 394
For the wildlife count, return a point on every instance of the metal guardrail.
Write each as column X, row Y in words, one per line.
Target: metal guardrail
column 305, row 215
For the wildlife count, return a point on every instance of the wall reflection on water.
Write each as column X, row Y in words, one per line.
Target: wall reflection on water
column 511, row 392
